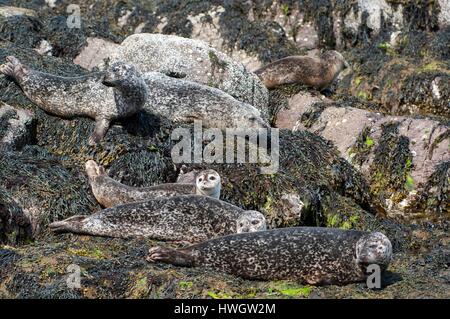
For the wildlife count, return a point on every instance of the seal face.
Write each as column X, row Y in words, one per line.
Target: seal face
column 208, row 183
column 109, row 192
column 311, row 255
column 190, row 218
column 104, row 96
column 317, row 72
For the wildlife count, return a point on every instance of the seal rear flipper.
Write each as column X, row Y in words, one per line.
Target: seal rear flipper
column 69, row 225
column 170, row 256
column 14, row 68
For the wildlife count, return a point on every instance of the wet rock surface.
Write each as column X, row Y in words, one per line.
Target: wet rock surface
column 396, row 181
column 400, row 153
column 192, row 60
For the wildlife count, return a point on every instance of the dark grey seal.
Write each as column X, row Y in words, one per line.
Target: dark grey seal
column 110, row 192
column 317, row 72
column 311, row 255
column 104, row 96
column 191, row 218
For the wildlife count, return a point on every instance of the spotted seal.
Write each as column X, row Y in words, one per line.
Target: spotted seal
column 318, row 72
column 190, row 218
column 183, row 101
column 104, row 96
column 110, row 192
column 311, row 255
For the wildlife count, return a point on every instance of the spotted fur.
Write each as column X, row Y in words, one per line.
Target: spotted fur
column 104, row 96
column 192, row 218
column 110, row 192
column 310, row 255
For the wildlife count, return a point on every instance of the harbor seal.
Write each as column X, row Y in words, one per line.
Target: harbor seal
column 311, row 255
column 191, row 218
column 183, row 101
column 317, row 72
column 104, row 96
column 110, row 192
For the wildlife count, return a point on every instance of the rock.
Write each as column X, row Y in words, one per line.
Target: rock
column 298, row 104
column 374, row 11
column 210, row 33
column 311, row 187
column 17, row 127
column 292, row 19
column 39, row 189
column 94, row 52
column 398, row 152
column 444, row 15
column 15, row 226
column 22, row 30
column 195, row 61
column 6, row 11
column 183, row 101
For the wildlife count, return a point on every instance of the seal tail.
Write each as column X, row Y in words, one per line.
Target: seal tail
column 14, row 68
column 170, row 256
column 70, row 225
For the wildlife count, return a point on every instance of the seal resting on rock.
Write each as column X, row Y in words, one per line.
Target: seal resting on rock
column 311, row 255
column 183, row 101
column 191, row 218
column 109, row 192
column 104, row 96
column 317, row 72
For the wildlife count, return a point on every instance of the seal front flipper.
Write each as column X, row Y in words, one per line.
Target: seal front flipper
column 170, row 256
column 71, row 224
column 101, row 127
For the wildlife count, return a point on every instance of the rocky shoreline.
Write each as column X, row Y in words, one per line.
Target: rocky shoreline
column 371, row 153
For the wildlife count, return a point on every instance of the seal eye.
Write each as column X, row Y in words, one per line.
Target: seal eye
column 212, row 178
column 255, row 222
column 200, row 179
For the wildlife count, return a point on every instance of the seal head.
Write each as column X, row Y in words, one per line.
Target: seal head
column 119, row 74
column 251, row 221
column 374, row 248
column 208, row 183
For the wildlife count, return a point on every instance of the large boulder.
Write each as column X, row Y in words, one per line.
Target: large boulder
column 195, row 61
column 399, row 155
